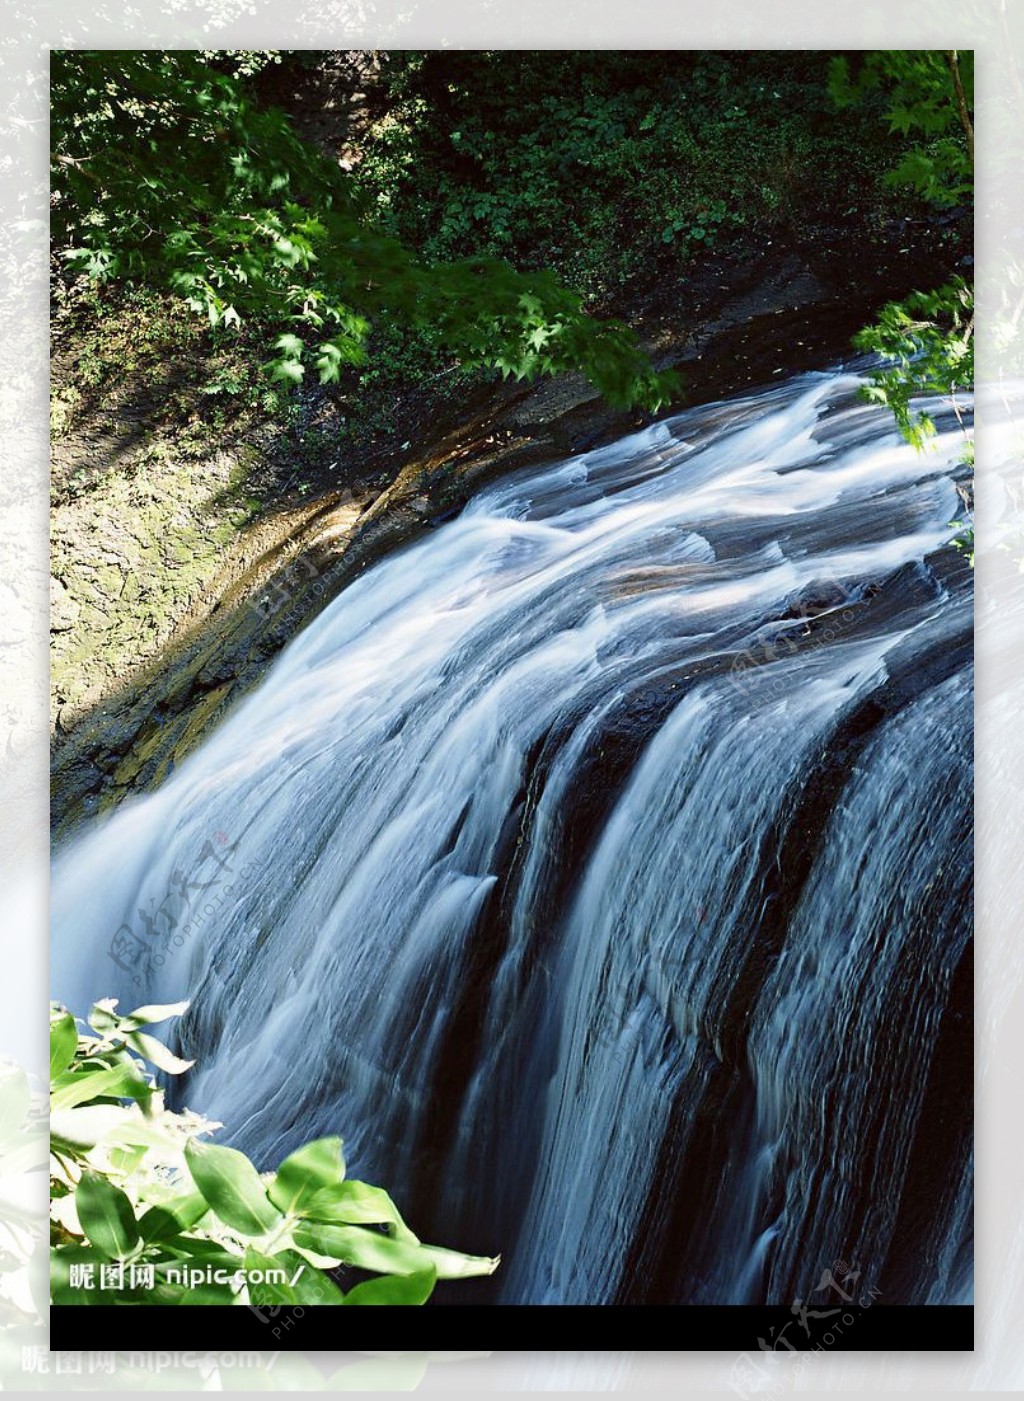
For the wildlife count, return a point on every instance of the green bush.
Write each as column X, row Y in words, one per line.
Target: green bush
column 167, row 174
column 597, row 164
column 148, row 1212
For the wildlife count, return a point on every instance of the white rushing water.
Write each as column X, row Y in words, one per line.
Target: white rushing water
column 599, row 867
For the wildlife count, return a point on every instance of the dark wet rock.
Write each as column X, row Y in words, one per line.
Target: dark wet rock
column 816, row 597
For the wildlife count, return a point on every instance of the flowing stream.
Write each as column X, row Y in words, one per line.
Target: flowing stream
column 599, row 866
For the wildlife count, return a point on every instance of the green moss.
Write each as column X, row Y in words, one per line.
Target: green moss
column 199, row 718
column 180, row 551
column 107, row 581
column 129, row 767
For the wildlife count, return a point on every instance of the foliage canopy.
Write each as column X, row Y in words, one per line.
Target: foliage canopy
column 927, row 94
column 166, row 172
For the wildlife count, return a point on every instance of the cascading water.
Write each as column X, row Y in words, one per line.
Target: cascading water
column 599, row 867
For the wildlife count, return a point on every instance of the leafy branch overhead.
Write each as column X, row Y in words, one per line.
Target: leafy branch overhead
column 925, row 341
column 927, row 94
column 144, row 1211
column 927, row 344
column 165, row 172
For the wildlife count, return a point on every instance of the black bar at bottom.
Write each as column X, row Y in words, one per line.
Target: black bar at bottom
column 648, row 1327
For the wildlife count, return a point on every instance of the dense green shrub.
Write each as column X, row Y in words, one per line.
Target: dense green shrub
column 594, row 163
column 139, row 1201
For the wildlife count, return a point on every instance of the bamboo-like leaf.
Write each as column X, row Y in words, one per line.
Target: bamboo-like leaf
column 63, row 1043
column 356, row 1203
column 102, row 1016
column 148, row 1015
column 157, row 1052
column 311, row 1286
column 304, row 1173
column 395, row 1289
column 232, row 1186
column 77, row 1130
column 170, row 1218
column 106, row 1215
column 77, row 1087
column 371, row 1250
column 267, row 1292
column 61, row 1259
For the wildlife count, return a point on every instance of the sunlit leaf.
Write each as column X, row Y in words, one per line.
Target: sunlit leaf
column 106, row 1215
column 305, row 1172
column 157, row 1052
column 146, row 1016
column 63, row 1041
column 232, row 1186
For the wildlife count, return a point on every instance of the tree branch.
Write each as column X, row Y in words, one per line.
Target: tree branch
column 961, row 101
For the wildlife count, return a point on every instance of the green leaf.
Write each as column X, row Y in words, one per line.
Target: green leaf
column 63, row 1044
column 329, row 362
column 62, row 1257
column 395, row 1289
column 370, row 1250
column 146, row 1016
column 290, row 345
column 302, row 1283
column 305, row 1172
column 106, row 1215
column 453, row 1264
column 170, row 1218
column 357, row 1204
column 268, row 1291
column 76, row 1130
column 291, row 370
column 311, row 1285
column 206, row 1252
column 157, row 1052
column 125, row 1161
column 366, row 1249
column 77, row 1087
column 102, row 1017
column 192, row 1295
column 232, row 1186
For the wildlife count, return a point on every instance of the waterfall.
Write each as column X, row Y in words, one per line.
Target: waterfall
column 599, row 866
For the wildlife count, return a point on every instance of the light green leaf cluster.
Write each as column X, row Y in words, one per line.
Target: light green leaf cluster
column 927, row 344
